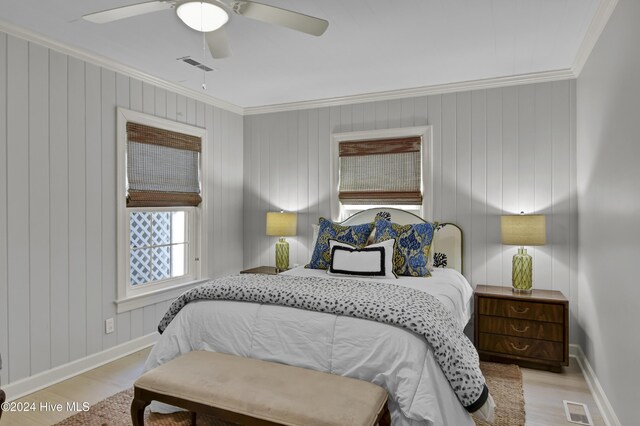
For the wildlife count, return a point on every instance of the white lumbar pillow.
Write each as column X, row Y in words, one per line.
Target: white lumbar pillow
column 373, row 261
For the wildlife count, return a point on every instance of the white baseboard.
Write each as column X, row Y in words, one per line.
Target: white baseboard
column 606, row 410
column 47, row 378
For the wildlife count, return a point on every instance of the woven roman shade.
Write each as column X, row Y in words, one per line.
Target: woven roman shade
column 163, row 167
column 387, row 171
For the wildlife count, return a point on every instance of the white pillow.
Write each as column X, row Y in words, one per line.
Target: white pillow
column 373, row 261
column 432, row 248
column 316, row 230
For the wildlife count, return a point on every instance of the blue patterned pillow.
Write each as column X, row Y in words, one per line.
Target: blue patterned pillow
column 356, row 235
column 412, row 246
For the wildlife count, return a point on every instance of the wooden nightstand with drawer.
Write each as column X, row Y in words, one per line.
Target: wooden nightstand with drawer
column 267, row 270
column 531, row 330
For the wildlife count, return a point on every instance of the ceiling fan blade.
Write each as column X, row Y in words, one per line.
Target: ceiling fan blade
column 218, row 43
column 275, row 15
column 127, row 11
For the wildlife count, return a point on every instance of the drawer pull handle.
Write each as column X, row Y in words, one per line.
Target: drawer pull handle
column 520, row 311
column 518, row 330
column 519, row 349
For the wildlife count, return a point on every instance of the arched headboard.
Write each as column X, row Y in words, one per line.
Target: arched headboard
column 447, row 241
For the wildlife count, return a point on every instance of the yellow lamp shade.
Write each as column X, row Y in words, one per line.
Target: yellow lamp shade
column 523, row 230
column 281, row 224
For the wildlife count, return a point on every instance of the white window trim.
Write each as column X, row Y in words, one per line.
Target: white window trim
column 127, row 297
column 338, row 213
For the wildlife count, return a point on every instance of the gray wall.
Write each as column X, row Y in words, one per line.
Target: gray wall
column 495, row 151
column 609, row 204
column 58, row 203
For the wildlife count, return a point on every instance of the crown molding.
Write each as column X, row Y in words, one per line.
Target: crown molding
column 437, row 89
column 116, row 66
column 594, row 31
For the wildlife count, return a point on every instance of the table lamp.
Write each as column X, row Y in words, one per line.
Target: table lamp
column 523, row 230
column 281, row 224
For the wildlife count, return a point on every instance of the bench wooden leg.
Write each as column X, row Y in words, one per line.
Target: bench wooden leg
column 193, row 418
column 385, row 417
column 2, row 398
column 137, row 411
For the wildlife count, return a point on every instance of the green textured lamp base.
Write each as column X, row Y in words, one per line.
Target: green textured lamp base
column 522, row 272
column 282, row 254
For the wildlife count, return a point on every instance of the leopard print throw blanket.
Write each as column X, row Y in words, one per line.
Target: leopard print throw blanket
column 411, row 309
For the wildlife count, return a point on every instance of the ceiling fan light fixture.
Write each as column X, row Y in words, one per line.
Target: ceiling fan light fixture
column 204, row 15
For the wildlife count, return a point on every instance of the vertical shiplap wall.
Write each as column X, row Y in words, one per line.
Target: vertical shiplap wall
column 495, row 151
column 58, row 203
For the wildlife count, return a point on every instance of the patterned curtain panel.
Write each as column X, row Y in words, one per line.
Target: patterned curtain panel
column 387, row 171
column 162, row 167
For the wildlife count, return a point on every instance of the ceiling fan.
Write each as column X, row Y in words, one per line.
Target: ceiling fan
column 210, row 16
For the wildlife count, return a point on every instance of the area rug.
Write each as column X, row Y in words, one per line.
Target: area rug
column 504, row 382
column 505, row 385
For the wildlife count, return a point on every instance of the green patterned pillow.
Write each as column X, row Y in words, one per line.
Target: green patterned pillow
column 355, row 235
column 412, row 246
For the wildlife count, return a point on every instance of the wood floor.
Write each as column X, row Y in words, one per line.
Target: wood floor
column 543, row 393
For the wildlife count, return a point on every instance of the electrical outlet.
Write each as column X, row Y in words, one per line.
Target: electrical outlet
column 109, row 326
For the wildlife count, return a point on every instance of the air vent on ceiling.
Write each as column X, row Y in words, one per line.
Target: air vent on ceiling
column 190, row 61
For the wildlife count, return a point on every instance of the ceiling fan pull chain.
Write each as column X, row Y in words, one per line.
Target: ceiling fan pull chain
column 204, row 50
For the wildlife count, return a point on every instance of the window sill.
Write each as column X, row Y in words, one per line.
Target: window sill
column 139, row 301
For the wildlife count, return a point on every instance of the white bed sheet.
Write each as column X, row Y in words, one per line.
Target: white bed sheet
column 447, row 285
column 396, row 359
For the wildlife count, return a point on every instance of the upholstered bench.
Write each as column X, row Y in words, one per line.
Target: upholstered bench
column 253, row 392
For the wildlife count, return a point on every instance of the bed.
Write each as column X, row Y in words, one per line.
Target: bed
column 399, row 360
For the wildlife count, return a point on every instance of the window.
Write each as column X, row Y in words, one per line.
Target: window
column 382, row 168
column 158, row 247
column 160, row 206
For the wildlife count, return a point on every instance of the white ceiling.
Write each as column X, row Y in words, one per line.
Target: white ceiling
column 370, row 45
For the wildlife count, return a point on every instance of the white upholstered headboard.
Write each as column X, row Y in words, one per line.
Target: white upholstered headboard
column 447, row 243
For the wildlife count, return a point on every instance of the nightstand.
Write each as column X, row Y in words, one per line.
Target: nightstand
column 267, row 270
column 531, row 330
